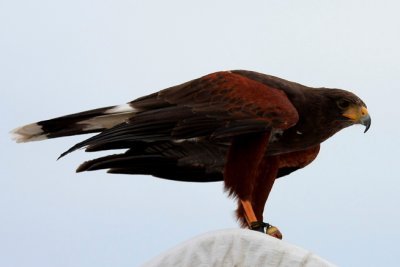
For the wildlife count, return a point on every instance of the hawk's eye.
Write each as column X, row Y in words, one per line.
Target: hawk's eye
column 343, row 104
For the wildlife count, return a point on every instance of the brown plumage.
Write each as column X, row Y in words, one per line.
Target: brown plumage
column 240, row 127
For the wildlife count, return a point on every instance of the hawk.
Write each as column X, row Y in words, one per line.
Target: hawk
column 240, row 127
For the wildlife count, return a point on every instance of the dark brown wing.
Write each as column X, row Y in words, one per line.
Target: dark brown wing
column 183, row 161
column 215, row 107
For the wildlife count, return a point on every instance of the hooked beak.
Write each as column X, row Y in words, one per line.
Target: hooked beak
column 366, row 121
column 359, row 115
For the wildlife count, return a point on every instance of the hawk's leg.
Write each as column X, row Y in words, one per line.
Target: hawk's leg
column 249, row 176
column 251, row 218
column 251, row 212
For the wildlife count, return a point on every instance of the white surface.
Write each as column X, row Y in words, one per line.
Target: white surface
column 237, row 247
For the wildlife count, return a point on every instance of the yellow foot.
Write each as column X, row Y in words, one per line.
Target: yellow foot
column 273, row 231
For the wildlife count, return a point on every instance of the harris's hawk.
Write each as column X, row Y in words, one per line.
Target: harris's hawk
column 241, row 127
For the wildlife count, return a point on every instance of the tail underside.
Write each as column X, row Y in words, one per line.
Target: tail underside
column 79, row 123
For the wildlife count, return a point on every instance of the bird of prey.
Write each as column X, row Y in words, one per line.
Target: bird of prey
column 240, row 127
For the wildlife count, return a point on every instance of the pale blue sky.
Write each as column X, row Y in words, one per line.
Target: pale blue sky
column 60, row 57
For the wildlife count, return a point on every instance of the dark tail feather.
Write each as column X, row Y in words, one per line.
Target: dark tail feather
column 79, row 123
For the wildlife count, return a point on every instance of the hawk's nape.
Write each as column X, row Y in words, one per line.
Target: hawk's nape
column 240, row 127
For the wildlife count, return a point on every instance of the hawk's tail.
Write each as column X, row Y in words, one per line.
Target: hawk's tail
column 91, row 121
